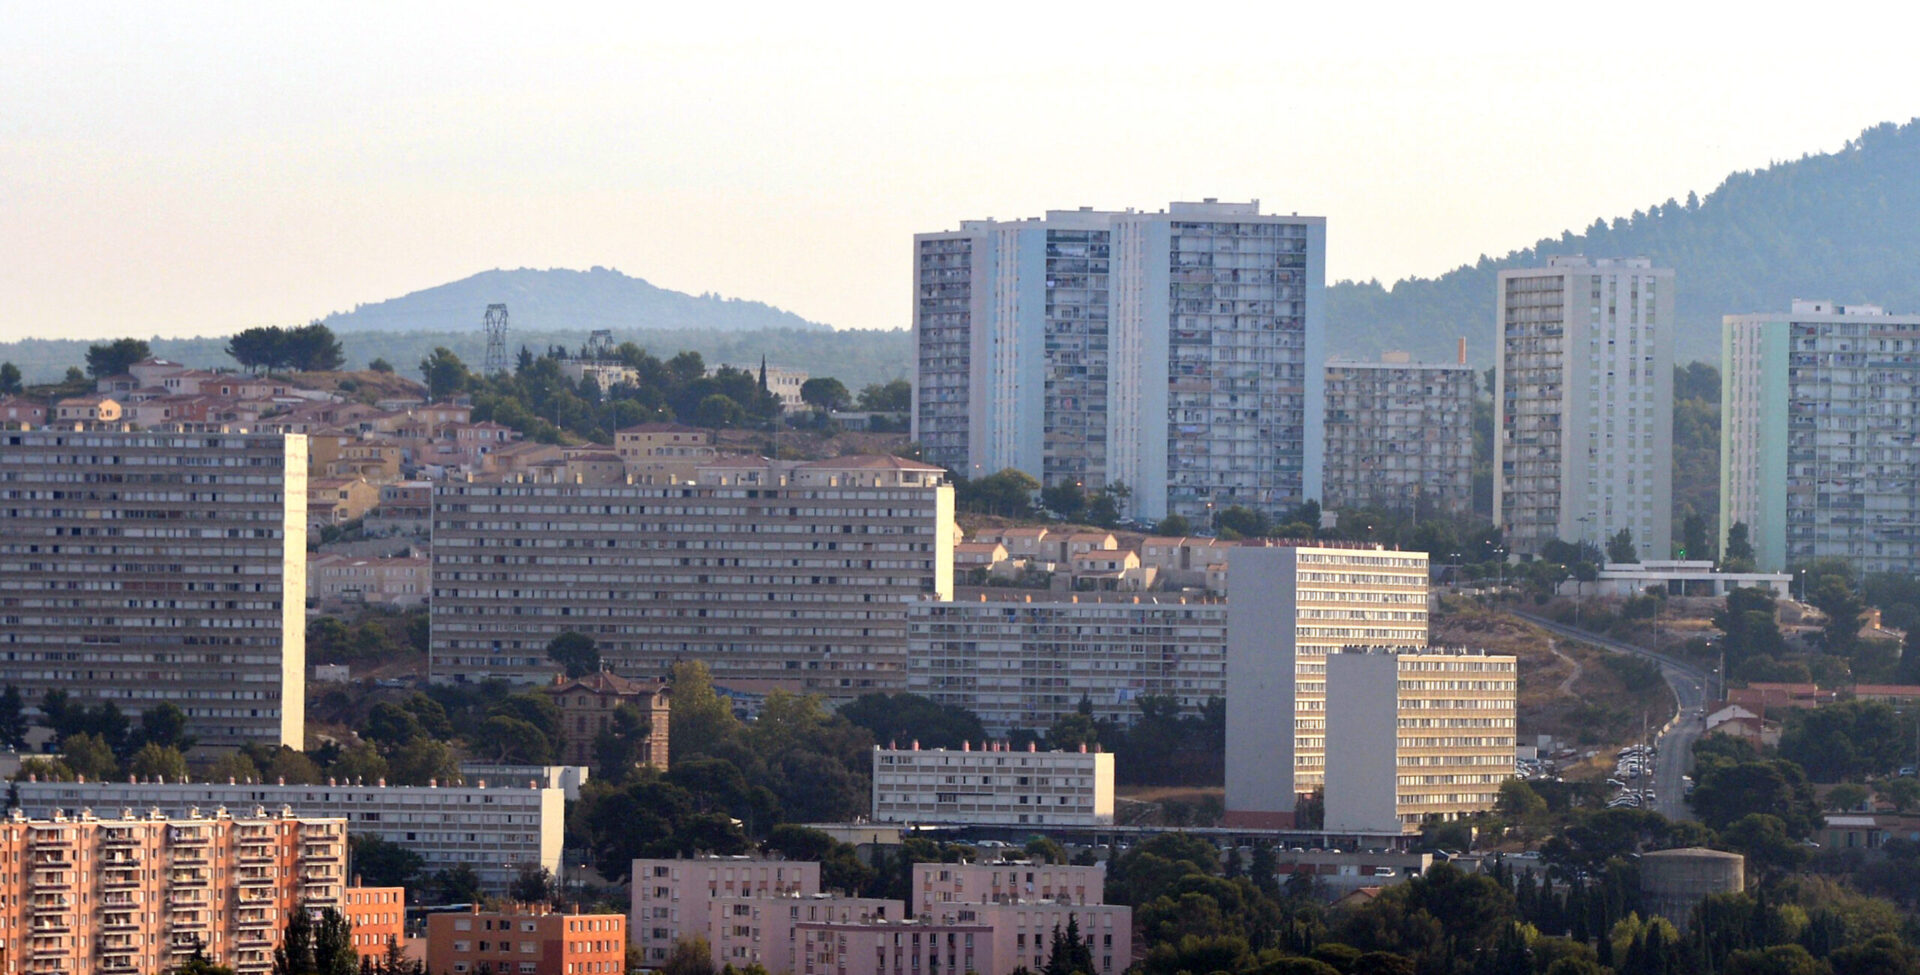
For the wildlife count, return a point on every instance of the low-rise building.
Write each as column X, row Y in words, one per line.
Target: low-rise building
column 526, row 941
column 1413, row 734
column 87, row 412
column 587, row 705
column 19, row 413
column 941, row 885
column 672, row 899
column 140, row 892
column 338, row 500
column 378, row 916
column 399, row 581
column 494, row 830
column 995, row 786
column 744, row 931
column 1677, row 577
column 1024, row 665
column 663, row 453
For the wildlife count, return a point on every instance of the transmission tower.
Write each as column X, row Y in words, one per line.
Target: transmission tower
column 599, row 345
column 496, row 325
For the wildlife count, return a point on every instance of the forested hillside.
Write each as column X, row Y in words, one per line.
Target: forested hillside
column 856, row 358
column 1840, row 226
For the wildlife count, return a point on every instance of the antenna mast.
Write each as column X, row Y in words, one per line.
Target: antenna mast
column 496, row 325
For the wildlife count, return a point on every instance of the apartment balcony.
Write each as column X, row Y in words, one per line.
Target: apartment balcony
column 52, row 880
column 119, row 921
column 112, row 964
column 52, row 924
column 119, row 839
column 256, row 878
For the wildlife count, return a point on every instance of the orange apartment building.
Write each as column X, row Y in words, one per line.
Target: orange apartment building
column 139, row 893
column 378, row 915
column 526, row 941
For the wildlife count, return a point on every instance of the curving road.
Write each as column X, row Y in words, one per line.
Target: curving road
column 1689, row 686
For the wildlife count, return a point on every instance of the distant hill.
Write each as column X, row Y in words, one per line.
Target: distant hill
column 1844, row 226
column 562, row 300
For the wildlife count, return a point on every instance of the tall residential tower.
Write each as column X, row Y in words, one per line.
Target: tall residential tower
column 146, row 568
column 1818, row 456
column 1178, row 352
column 1583, row 388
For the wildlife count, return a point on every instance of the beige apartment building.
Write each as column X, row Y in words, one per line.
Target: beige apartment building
column 140, row 568
column 1290, row 608
column 1416, row 734
column 137, row 893
column 1399, row 437
column 1024, row 665
column 775, row 574
column 663, row 453
column 940, row 885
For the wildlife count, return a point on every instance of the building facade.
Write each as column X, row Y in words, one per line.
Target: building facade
column 587, row 708
column 1290, row 608
column 1399, row 437
column 526, row 941
column 138, row 893
column 775, row 574
column 752, row 930
column 140, row 568
column 1416, row 734
column 495, row 830
column 1583, row 395
column 937, row 886
column 1024, row 665
column 1177, row 352
column 996, row 786
column 673, row 899
column 379, row 918
column 1819, row 458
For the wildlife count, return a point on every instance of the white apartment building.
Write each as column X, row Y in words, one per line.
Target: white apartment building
column 674, row 899
column 140, row 568
column 775, row 574
column 1290, row 608
column 1583, row 392
column 1818, row 455
column 1024, row 665
column 1178, row 352
column 996, row 786
column 495, row 830
column 1399, row 437
column 1416, row 734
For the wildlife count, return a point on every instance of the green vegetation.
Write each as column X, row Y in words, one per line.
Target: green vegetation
column 309, row 348
column 1829, row 224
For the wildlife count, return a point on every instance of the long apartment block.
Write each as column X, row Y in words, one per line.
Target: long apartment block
column 142, row 568
column 495, row 830
column 134, row 893
column 997, row 785
column 1399, row 437
column 1176, row 351
column 775, row 574
column 1024, row 665
column 1819, row 458
column 1290, row 608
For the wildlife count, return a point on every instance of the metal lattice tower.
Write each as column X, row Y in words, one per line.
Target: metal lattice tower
column 599, row 345
column 496, row 325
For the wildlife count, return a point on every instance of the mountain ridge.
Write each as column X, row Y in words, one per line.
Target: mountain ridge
column 1836, row 225
column 563, row 299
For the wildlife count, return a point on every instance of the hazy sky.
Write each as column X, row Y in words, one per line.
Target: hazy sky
column 194, row 169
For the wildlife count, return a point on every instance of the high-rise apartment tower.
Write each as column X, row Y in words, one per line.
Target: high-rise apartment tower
column 1583, row 390
column 1818, row 457
column 146, row 568
column 1177, row 352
